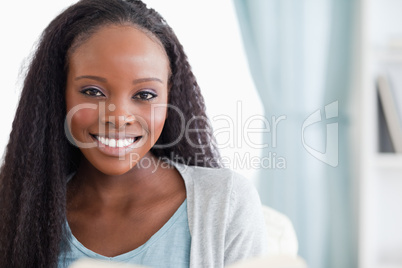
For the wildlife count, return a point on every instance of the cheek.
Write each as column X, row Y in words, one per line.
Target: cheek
column 82, row 119
column 157, row 121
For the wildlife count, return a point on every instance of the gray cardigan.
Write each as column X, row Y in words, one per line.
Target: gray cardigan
column 225, row 217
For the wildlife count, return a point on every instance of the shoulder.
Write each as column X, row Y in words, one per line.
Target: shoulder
column 217, row 181
column 224, row 215
column 222, row 189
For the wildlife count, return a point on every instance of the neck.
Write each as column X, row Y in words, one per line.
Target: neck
column 140, row 185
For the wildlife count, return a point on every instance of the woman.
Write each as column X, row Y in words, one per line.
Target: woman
column 111, row 155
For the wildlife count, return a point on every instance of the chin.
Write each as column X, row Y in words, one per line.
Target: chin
column 115, row 170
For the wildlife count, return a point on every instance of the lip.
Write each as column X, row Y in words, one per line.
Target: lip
column 112, row 135
column 116, row 151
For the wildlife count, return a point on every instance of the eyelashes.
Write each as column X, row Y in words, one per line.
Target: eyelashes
column 144, row 95
column 93, row 92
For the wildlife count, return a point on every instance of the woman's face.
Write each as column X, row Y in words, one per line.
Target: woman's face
column 116, row 95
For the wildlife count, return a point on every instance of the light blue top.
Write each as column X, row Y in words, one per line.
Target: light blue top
column 168, row 247
column 223, row 225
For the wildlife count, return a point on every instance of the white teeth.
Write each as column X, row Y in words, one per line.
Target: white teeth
column 115, row 142
column 126, row 142
column 120, row 143
column 112, row 143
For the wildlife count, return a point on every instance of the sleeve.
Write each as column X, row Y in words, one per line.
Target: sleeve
column 246, row 234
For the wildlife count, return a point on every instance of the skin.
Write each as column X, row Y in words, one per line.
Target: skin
column 115, row 204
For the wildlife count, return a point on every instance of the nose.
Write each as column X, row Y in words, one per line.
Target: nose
column 116, row 116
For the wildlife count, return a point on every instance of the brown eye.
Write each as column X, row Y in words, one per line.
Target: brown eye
column 94, row 92
column 144, row 95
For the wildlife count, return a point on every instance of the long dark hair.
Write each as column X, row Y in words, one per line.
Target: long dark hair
column 39, row 156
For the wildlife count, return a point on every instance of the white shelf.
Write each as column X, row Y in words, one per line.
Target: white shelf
column 380, row 182
column 382, row 56
column 389, row 161
column 390, row 266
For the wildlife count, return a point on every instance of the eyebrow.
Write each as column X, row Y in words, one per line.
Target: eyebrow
column 104, row 80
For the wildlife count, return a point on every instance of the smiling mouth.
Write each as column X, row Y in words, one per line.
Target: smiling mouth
column 116, row 143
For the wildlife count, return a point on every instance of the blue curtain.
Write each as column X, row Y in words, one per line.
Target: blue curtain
column 300, row 57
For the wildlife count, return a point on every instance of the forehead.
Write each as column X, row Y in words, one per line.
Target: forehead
column 117, row 44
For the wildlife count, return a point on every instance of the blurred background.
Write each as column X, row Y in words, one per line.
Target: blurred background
column 290, row 88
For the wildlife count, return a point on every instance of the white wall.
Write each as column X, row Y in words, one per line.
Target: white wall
column 208, row 31
column 21, row 23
